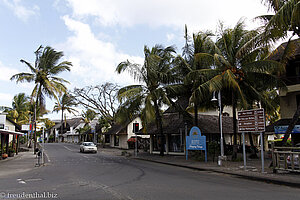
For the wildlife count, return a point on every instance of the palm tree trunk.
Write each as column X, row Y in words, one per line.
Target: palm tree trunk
column 234, row 153
column 291, row 125
column 159, row 127
column 62, row 124
column 34, row 123
column 196, row 114
column 253, row 150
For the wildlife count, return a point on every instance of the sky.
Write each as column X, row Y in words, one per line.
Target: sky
column 96, row 35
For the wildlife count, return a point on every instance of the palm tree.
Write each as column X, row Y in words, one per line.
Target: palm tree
column 66, row 103
column 88, row 116
column 242, row 72
column 19, row 112
column 202, row 43
column 286, row 19
column 147, row 98
column 43, row 74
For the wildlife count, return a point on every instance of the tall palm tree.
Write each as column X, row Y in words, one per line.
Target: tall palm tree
column 66, row 103
column 148, row 97
column 19, row 112
column 286, row 19
column 88, row 116
column 244, row 75
column 43, row 74
column 201, row 43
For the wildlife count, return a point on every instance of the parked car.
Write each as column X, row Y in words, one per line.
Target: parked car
column 88, row 147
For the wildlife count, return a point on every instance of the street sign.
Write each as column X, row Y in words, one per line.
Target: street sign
column 251, row 120
column 196, row 141
column 25, row 127
column 282, row 129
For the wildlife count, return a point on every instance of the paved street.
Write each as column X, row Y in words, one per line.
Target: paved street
column 74, row 175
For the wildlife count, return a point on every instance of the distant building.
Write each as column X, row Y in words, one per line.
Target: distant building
column 289, row 97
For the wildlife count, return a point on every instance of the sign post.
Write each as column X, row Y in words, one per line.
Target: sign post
column 252, row 121
column 196, row 141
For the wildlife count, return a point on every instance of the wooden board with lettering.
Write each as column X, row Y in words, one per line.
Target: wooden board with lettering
column 251, row 120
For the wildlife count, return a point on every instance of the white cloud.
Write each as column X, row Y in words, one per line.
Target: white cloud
column 94, row 61
column 21, row 11
column 170, row 37
column 6, row 72
column 197, row 14
column 6, row 99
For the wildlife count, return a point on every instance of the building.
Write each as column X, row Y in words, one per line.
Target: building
column 118, row 135
column 289, row 96
column 9, row 136
column 70, row 130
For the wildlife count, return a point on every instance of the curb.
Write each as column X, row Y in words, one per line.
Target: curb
column 254, row 178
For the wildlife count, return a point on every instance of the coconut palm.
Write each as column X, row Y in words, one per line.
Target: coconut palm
column 19, row 112
column 66, row 103
column 201, row 43
column 147, row 98
column 244, row 75
column 43, row 74
column 286, row 19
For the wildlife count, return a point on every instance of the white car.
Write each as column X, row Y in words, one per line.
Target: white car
column 88, row 147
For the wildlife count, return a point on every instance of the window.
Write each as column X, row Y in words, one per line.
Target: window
column 107, row 138
column 176, row 142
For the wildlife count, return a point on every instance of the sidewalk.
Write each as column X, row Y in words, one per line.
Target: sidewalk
column 22, row 162
column 252, row 172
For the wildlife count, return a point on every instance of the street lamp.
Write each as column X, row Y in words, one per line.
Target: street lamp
column 220, row 158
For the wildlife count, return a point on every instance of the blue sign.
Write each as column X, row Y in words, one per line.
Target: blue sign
column 196, row 141
column 282, row 129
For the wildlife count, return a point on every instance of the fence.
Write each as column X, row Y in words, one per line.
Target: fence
column 286, row 158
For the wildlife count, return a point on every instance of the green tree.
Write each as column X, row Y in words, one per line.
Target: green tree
column 44, row 75
column 286, row 19
column 201, row 43
column 19, row 112
column 238, row 68
column 147, row 98
column 66, row 103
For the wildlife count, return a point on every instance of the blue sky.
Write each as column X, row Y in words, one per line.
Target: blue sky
column 96, row 35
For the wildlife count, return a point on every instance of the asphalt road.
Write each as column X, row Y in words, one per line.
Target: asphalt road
column 73, row 175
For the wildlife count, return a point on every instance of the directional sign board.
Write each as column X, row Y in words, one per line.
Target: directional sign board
column 251, row 120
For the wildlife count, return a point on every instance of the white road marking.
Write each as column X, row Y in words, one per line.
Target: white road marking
column 85, row 156
column 21, row 181
column 68, row 148
column 47, row 157
column 34, row 179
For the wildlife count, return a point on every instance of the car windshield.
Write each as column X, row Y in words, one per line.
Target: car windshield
column 88, row 144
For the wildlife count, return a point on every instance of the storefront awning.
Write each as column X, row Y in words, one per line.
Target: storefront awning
column 2, row 131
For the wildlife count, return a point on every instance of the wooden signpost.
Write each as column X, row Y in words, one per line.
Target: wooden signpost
column 252, row 121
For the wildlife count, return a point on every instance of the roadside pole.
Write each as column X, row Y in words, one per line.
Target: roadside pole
column 244, row 151
column 262, row 152
column 43, row 149
column 136, row 145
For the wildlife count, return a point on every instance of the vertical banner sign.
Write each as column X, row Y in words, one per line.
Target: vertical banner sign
column 196, row 141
